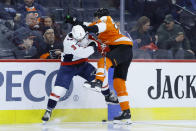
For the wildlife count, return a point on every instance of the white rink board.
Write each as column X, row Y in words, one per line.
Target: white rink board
column 140, row 77
column 80, row 97
column 143, row 75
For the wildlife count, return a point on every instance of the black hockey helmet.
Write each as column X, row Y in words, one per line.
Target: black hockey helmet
column 101, row 12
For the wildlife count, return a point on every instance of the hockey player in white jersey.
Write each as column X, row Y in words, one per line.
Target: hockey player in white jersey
column 77, row 48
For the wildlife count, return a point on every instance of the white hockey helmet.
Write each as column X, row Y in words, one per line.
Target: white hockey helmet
column 78, row 32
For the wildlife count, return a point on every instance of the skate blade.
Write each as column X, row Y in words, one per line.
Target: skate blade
column 44, row 122
column 124, row 122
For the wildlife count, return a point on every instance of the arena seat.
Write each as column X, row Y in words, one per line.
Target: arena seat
column 141, row 54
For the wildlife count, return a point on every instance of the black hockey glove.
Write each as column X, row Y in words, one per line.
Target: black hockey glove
column 94, row 45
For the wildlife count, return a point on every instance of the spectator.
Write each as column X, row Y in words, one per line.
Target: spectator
column 6, row 35
column 4, row 14
column 32, row 24
column 9, row 7
column 24, row 41
column 30, row 6
column 31, row 21
column 52, row 49
column 172, row 37
column 156, row 11
column 140, row 33
column 48, row 22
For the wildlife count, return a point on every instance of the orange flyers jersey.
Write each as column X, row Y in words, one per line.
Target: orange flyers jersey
column 109, row 33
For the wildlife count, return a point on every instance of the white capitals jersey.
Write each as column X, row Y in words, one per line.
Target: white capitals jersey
column 76, row 50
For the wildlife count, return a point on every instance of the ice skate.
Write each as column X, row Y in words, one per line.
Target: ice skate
column 94, row 85
column 124, row 118
column 111, row 99
column 46, row 116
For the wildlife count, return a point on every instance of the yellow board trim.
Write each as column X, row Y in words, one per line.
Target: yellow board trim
column 64, row 115
column 176, row 113
column 96, row 115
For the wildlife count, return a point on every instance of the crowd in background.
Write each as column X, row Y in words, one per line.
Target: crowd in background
column 35, row 29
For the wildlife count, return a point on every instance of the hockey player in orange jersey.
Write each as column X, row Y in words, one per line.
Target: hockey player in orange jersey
column 119, row 57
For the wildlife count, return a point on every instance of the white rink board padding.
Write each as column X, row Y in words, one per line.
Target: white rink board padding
column 24, row 91
column 25, row 85
column 162, row 90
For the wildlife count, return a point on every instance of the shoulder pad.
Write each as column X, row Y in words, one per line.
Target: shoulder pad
column 103, row 19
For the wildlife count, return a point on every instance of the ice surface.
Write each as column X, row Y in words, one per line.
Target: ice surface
column 104, row 126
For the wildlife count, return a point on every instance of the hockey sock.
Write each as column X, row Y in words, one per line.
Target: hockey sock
column 51, row 104
column 55, row 95
column 120, row 88
column 106, row 92
column 105, row 89
column 100, row 71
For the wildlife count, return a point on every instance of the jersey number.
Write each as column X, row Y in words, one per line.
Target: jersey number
column 74, row 48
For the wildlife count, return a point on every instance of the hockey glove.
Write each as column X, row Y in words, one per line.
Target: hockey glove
column 70, row 19
column 94, row 45
column 73, row 20
column 53, row 54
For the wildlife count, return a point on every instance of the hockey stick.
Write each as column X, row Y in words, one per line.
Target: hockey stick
column 105, row 66
column 68, row 9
